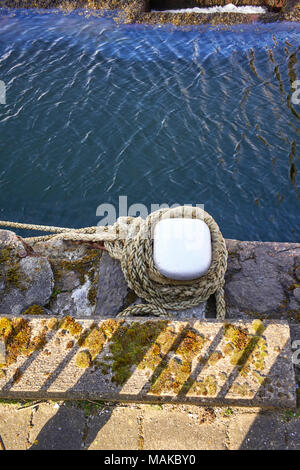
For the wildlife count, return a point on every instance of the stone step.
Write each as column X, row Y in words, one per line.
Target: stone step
column 205, row 362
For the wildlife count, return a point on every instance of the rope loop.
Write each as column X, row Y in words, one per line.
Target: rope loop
column 130, row 240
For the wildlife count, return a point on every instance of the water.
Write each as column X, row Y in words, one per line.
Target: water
column 97, row 110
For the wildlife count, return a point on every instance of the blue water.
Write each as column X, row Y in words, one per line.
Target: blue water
column 95, row 110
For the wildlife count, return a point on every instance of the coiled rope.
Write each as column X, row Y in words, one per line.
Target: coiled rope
column 130, row 241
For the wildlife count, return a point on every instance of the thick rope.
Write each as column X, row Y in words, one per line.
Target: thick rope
column 130, row 241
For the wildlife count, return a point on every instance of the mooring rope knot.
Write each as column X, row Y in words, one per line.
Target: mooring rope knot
column 130, row 239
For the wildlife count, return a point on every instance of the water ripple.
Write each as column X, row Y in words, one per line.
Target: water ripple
column 97, row 110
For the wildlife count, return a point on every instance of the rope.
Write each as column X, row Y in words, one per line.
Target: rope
column 130, row 241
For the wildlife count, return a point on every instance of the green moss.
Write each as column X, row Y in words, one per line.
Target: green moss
column 72, row 326
column 88, row 407
column 5, row 255
column 85, row 266
column 55, row 293
column 288, row 415
column 129, row 346
column 13, row 276
column 104, row 366
column 228, row 412
column 34, row 310
column 83, row 359
column 7, row 402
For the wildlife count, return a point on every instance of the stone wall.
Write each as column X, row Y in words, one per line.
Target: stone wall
column 59, row 278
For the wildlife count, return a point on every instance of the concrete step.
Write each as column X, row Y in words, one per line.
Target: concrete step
column 203, row 362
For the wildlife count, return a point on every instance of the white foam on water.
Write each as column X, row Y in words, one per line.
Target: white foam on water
column 230, row 8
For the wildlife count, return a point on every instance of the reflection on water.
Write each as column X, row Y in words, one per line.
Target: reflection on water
column 96, row 110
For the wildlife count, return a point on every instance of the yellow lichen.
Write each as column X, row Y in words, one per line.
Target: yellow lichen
column 5, row 327
column 19, row 341
column 95, row 338
column 72, row 326
column 247, row 349
column 94, row 342
column 241, row 390
column 237, row 336
column 108, row 327
column 206, row 386
column 83, row 359
column 52, row 324
column 228, row 349
column 258, row 326
column 172, row 375
column 191, row 345
column 214, row 358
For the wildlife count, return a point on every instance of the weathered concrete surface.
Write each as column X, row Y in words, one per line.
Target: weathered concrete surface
column 14, row 428
column 260, row 432
column 2, row 352
column 65, row 432
column 203, row 362
column 125, row 422
column 174, row 430
column 102, row 426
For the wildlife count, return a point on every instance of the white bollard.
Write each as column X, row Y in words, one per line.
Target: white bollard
column 182, row 248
